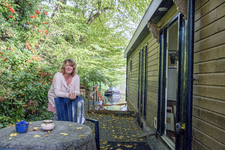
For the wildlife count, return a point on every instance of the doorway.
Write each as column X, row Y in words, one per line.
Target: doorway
column 170, row 105
column 171, row 81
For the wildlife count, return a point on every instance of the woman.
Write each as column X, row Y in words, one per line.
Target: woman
column 66, row 83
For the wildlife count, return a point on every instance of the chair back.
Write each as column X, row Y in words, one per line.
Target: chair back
column 70, row 110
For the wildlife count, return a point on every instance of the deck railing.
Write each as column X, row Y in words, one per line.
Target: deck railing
column 92, row 91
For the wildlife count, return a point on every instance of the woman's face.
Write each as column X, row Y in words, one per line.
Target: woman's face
column 68, row 68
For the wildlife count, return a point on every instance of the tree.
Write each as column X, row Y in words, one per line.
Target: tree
column 92, row 32
column 36, row 36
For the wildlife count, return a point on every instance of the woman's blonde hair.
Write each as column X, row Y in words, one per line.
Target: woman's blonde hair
column 72, row 63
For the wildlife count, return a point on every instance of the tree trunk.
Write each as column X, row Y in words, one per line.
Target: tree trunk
column 57, row 8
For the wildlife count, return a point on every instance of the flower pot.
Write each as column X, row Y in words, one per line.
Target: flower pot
column 47, row 125
column 22, row 126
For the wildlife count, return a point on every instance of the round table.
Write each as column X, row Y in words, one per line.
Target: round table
column 53, row 141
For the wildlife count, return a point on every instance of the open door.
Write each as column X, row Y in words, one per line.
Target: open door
column 170, row 72
column 171, row 81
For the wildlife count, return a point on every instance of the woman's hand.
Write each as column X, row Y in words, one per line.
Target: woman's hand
column 72, row 95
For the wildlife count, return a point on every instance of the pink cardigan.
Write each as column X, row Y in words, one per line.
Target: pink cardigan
column 59, row 88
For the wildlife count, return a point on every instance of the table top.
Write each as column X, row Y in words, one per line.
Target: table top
column 79, row 139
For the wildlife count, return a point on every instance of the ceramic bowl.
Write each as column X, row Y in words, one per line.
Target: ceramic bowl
column 22, row 126
column 47, row 125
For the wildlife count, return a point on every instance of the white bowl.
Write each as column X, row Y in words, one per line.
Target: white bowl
column 47, row 125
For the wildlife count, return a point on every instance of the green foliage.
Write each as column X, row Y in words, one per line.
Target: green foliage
column 26, row 94
column 24, row 79
column 36, row 36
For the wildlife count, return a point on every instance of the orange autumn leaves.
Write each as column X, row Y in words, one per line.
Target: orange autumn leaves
column 1, row 54
column 33, row 59
column 40, row 31
column 37, row 12
column 28, row 45
column 31, row 37
column 35, row 16
column 45, row 31
column 10, row 9
column 44, row 75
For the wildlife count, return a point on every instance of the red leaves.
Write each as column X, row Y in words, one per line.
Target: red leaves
column 28, row 60
column 43, row 74
column 32, row 34
column 28, row 46
column 36, row 58
column 37, row 12
column 11, row 9
column 46, row 32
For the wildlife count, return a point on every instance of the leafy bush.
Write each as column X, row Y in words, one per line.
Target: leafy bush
column 24, row 79
column 25, row 96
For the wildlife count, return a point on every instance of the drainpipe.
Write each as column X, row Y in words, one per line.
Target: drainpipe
column 126, row 78
column 190, row 53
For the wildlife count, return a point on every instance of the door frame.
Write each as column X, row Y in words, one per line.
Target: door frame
column 142, row 82
column 180, row 103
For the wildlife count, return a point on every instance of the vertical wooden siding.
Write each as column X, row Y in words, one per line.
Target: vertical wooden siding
column 153, row 70
column 132, row 82
column 152, row 86
column 133, row 75
column 152, row 78
column 209, row 70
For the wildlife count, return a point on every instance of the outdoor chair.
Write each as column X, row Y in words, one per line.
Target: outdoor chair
column 73, row 110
